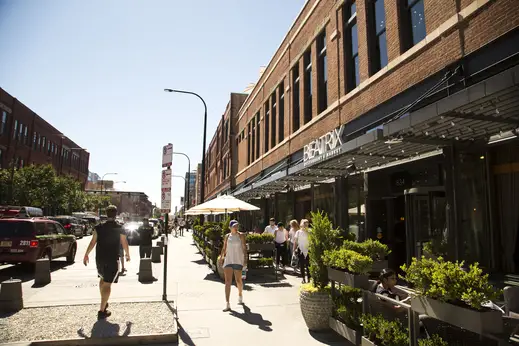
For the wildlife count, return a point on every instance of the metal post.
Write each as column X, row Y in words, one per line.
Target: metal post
column 165, row 283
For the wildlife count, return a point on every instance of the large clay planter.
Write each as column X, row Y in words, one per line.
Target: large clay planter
column 316, row 308
column 219, row 269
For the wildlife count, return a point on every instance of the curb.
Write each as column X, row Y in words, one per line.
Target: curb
column 115, row 341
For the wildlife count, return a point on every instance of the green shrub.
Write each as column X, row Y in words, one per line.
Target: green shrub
column 213, row 233
column 348, row 260
column 447, row 281
column 260, row 262
column 348, row 306
column 436, row 340
column 225, row 225
column 255, row 238
column 383, row 332
column 322, row 237
column 371, row 248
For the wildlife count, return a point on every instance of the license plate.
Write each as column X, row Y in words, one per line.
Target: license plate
column 6, row 243
column 16, row 250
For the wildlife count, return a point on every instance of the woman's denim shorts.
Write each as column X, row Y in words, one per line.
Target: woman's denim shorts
column 234, row 266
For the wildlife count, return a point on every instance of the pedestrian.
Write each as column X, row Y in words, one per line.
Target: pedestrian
column 108, row 237
column 294, row 227
column 233, row 259
column 182, row 226
column 271, row 227
column 301, row 247
column 280, row 241
column 146, row 235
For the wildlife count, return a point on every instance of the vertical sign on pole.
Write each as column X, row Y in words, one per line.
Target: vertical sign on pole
column 165, row 206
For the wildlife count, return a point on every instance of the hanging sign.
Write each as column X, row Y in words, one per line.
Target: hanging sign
column 325, row 146
column 167, row 155
column 166, row 179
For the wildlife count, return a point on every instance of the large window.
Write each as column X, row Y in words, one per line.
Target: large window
column 248, row 145
column 258, row 134
column 413, row 17
column 307, row 60
column 351, row 46
column 3, row 123
column 253, row 139
column 267, row 123
column 295, row 99
column 322, row 72
column 34, row 139
column 15, row 130
column 281, row 111
column 273, row 120
column 377, row 34
column 26, row 135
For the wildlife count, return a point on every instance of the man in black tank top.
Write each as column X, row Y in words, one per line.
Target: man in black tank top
column 108, row 237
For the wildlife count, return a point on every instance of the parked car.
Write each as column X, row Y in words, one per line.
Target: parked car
column 70, row 223
column 92, row 221
column 25, row 240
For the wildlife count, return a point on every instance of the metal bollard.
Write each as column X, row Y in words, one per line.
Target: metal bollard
column 11, row 297
column 42, row 272
column 155, row 254
column 160, row 245
column 145, row 271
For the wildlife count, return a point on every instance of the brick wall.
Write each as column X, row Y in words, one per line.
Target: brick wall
column 405, row 68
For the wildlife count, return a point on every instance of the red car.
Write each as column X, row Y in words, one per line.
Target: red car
column 24, row 240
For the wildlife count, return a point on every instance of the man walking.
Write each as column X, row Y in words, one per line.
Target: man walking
column 108, row 237
column 182, row 226
column 146, row 235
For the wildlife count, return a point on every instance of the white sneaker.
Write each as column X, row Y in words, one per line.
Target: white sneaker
column 227, row 307
column 240, row 300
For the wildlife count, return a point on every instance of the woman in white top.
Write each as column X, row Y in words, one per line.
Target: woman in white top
column 280, row 240
column 234, row 258
column 294, row 227
column 301, row 247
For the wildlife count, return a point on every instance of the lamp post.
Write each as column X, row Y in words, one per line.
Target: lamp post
column 102, row 185
column 202, row 185
column 188, row 182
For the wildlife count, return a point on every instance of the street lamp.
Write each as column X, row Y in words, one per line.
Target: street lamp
column 102, row 185
column 202, row 185
column 188, row 172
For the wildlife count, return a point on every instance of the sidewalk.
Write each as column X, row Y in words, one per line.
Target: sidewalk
column 271, row 314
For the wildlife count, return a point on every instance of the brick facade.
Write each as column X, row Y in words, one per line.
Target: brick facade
column 36, row 141
column 453, row 29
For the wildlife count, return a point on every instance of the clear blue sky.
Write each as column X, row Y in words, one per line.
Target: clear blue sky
column 96, row 70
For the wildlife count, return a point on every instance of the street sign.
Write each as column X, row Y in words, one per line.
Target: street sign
column 166, row 179
column 165, row 201
column 167, row 155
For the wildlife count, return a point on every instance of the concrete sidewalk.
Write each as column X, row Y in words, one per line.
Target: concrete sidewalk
column 271, row 314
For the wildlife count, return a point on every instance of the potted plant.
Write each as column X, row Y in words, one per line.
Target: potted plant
column 260, row 242
column 373, row 249
column 348, row 267
column 451, row 293
column 346, row 314
column 314, row 298
column 380, row 332
column 435, row 340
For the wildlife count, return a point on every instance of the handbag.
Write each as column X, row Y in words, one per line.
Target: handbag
column 295, row 259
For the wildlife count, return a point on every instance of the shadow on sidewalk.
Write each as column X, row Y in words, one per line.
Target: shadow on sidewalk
column 26, row 272
column 253, row 318
column 329, row 338
column 200, row 261
column 105, row 329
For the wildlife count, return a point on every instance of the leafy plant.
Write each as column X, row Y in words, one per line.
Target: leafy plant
column 255, row 238
column 322, row 237
column 448, row 281
column 348, row 260
column 383, row 332
column 435, row 340
column 371, row 248
column 213, row 233
column 348, row 306
column 225, row 225
column 260, row 262
column 435, row 248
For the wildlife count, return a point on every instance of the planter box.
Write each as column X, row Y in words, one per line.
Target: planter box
column 366, row 342
column 348, row 279
column 261, row 247
column 378, row 266
column 352, row 335
column 480, row 322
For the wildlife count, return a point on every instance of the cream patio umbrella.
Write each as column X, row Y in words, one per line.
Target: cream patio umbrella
column 222, row 204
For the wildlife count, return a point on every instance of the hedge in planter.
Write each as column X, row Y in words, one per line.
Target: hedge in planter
column 348, row 267
column 378, row 331
column 347, row 313
column 448, row 292
column 373, row 249
column 435, row 340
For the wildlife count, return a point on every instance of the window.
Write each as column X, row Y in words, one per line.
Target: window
column 3, row 123
column 295, row 98
column 351, row 46
column 281, row 111
column 377, row 36
column 258, row 134
column 20, row 133
column 273, row 120
column 26, row 135
column 248, row 145
column 413, row 22
column 322, row 73
column 267, row 121
column 15, row 131
column 253, row 139
column 307, row 60
column 34, row 140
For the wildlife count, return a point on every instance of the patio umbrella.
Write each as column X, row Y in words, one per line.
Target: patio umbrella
column 222, row 204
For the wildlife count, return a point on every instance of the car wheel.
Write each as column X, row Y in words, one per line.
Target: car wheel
column 72, row 255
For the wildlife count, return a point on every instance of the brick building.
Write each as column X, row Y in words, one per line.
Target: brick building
column 221, row 160
column 198, row 181
column 26, row 138
column 399, row 119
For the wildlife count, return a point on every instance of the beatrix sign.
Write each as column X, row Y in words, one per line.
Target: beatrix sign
column 324, row 144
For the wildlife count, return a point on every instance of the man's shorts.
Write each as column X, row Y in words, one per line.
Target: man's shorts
column 108, row 271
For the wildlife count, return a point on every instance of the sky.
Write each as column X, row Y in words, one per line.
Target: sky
column 96, row 71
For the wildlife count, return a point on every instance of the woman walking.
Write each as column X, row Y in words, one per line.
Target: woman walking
column 234, row 258
column 301, row 248
column 280, row 240
column 294, row 227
